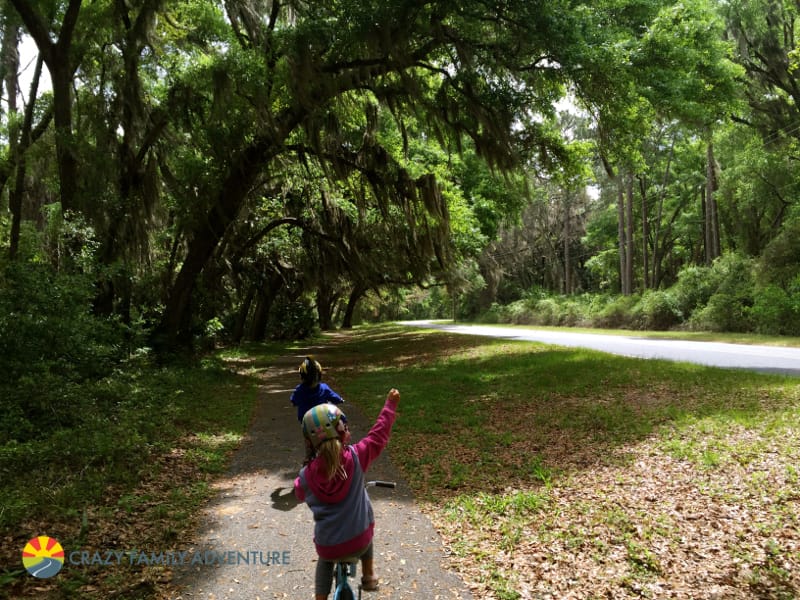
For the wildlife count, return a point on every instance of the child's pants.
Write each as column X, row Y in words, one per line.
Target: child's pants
column 324, row 575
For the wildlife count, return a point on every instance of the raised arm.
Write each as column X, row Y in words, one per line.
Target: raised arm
column 370, row 447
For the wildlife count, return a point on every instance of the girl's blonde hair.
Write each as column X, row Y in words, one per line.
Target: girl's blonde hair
column 330, row 451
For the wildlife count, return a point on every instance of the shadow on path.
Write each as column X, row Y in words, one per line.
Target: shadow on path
column 255, row 514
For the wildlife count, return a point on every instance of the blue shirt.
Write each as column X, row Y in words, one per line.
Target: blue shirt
column 306, row 398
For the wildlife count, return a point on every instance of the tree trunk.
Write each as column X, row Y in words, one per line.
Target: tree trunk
column 355, row 295
column 258, row 330
column 9, row 67
column 175, row 321
column 714, row 208
column 567, row 235
column 58, row 58
column 241, row 318
column 623, row 262
column 647, row 281
column 325, row 301
column 710, row 209
column 61, row 76
column 656, row 281
column 629, row 236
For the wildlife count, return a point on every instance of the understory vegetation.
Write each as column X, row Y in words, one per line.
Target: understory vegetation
column 735, row 294
column 716, row 299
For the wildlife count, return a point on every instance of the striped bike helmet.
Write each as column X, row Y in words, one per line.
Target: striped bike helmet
column 324, row 422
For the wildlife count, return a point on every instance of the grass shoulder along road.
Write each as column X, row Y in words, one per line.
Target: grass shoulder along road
column 557, row 472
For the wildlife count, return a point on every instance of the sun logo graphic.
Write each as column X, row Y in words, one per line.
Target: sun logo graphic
column 43, row 556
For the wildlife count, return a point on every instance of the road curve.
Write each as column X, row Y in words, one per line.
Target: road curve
column 768, row 359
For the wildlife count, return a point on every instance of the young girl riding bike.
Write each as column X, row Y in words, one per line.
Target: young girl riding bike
column 332, row 485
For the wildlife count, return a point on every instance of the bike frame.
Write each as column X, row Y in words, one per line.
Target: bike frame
column 343, row 571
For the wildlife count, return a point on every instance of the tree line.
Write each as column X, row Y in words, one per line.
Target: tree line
column 256, row 168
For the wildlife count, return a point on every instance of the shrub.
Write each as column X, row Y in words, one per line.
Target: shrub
column 658, row 310
column 291, row 320
column 52, row 345
column 780, row 261
column 724, row 312
column 776, row 312
column 495, row 314
column 734, row 274
column 693, row 290
column 547, row 311
column 618, row 314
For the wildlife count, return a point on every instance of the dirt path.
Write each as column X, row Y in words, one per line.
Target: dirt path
column 256, row 515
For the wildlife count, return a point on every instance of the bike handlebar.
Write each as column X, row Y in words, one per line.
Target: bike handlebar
column 385, row 484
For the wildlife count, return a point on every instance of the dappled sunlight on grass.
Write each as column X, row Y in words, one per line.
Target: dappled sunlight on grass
column 573, row 471
column 133, row 468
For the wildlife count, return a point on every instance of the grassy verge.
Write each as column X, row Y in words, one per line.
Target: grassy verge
column 696, row 336
column 558, row 472
column 129, row 472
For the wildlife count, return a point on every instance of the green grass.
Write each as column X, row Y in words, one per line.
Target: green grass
column 697, row 336
column 491, row 435
column 487, row 425
column 594, row 397
column 115, row 465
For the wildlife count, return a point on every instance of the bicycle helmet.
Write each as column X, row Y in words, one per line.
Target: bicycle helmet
column 324, row 422
column 310, row 372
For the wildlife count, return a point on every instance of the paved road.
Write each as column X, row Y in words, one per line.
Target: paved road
column 769, row 359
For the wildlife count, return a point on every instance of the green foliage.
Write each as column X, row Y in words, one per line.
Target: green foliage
column 117, row 427
column 725, row 297
column 693, row 289
column 52, row 343
column 689, row 34
column 776, row 311
column 291, row 319
column 658, row 310
column 780, row 262
column 733, row 282
column 724, row 312
column 617, row 313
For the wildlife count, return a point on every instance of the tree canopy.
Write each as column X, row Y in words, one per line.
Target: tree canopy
column 223, row 160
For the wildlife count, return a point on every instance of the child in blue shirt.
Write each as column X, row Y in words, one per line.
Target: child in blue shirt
column 312, row 392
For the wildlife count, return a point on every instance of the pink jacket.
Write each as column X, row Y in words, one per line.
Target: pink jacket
column 343, row 519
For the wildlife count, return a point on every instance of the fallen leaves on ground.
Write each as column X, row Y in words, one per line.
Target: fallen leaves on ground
column 644, row 526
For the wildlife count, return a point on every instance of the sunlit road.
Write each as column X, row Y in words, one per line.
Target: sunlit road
column 770, row 359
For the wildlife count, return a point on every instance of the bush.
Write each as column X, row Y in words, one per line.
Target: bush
column 724, row 312
column 52, row 345
column 291, row 320
column 658, row 310
column 548, row 311
column 780, row 261
column 693, row 290
column 735, row 274
column 46, row 323
column 618, row 314
column 776, row 312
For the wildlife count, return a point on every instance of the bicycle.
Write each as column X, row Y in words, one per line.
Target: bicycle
column 345, row 570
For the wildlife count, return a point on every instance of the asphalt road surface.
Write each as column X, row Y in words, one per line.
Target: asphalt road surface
column 768, row 359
